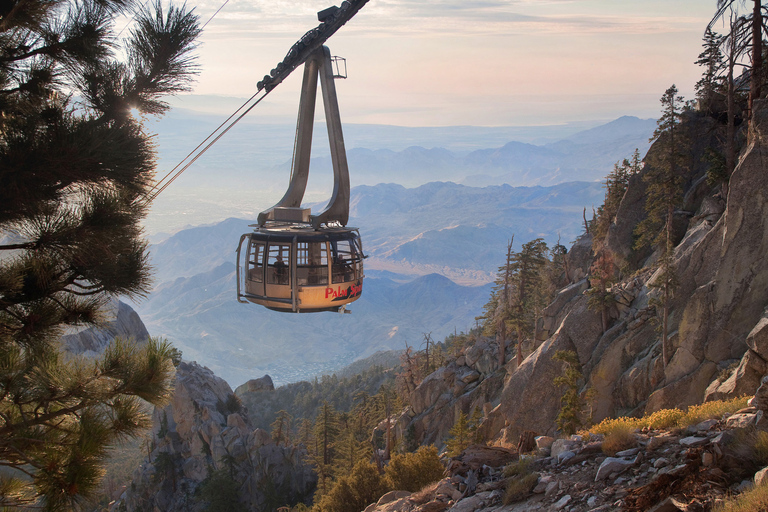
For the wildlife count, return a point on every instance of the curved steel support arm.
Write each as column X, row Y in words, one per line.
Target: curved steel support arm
column 337, row 209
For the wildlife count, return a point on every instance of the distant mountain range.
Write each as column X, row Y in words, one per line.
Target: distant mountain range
column 200, row 316
column 433, row 244
column 248, row 170
column 455, row 230
column 411, row 235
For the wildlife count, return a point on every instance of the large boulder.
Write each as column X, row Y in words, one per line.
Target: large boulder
column 256, row 385
column 120, row 321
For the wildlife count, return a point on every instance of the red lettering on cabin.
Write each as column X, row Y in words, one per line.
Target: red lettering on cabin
column 340, row 294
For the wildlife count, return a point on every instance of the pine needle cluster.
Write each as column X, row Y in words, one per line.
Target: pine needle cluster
column 74, row 168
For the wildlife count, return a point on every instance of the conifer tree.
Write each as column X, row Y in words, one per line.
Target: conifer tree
column 326, row 432
column 664, row 179
column 281, row 428
column 751, row 39
column 459, row 436
column 616, row 184
column 74, row 169
column 602, row 273
column 527, row 277
column 572, row 405
column 559, row 255
column 711, row 59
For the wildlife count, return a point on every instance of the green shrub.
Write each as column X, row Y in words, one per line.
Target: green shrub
column 355, row 491
column 521, row 480
column 412, row 471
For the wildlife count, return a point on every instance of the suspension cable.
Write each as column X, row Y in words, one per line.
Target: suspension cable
column 200, row 149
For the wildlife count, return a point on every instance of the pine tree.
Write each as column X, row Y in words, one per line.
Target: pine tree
column 711, row 59
column 326, row 432
column 570, row 418
column 281, row 428
column 459, row 436
column 664, row 179
column 74, row 168
column 616, row 184
column 601, row 277
column 748, row 41
column 527, row 278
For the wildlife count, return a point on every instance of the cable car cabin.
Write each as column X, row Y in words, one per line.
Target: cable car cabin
column 300, row 269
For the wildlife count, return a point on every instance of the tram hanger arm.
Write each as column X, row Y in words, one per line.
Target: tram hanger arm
column 331, row 20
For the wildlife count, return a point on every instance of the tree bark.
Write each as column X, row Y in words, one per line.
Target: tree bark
column 757, row 55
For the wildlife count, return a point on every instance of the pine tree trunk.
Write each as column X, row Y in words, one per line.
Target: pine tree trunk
column 501, row 336
column 730, row 142
column 604, row 318
column 757, row 55
column 665, row 327
column 519, row 347
column 325, row 437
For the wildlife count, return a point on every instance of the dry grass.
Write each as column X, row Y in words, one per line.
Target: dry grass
column 620, row 438
column 713, row 410
column 673, row 418
column 753, row 500
column 519, row 487
column 520, row 467
column 750, row 446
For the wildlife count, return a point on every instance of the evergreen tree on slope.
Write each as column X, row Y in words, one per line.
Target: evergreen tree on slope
column 665, row 192
column 74, row 168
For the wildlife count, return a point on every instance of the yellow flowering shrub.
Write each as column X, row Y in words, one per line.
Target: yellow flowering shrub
column 671, row 418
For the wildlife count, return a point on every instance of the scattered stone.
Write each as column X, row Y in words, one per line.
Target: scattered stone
column 740, row 420
column 392, row 496
column 628, row 453
column 669, row 504
column 562, row 502
column 445, row 488
column 612, row 465
column 432, row 506
column 693, row 441
column 707, row 459
column 565, row 456
column 592, row 501
column 661, row 462
column 761, row 477
column 552, row 488
column 563, row 445
column 544, row 442
column 703, row 426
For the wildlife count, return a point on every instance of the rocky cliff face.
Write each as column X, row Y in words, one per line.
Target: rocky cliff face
column 205, row 429
column 717, row 319
column 121, row 321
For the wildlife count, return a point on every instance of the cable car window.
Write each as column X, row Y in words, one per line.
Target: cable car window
column 345, row 258
column 256, row 263
column 312, row 263
column 359, row 267
column 277, row 264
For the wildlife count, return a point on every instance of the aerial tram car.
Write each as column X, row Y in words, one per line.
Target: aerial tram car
column 295, row 261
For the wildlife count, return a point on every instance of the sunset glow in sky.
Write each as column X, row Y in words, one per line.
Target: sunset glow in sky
column 451, row 62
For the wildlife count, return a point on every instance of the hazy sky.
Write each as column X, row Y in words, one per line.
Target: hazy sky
column 464, row 62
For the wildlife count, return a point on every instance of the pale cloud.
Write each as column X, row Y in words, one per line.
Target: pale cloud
column 434, row 62
column 441, row 17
